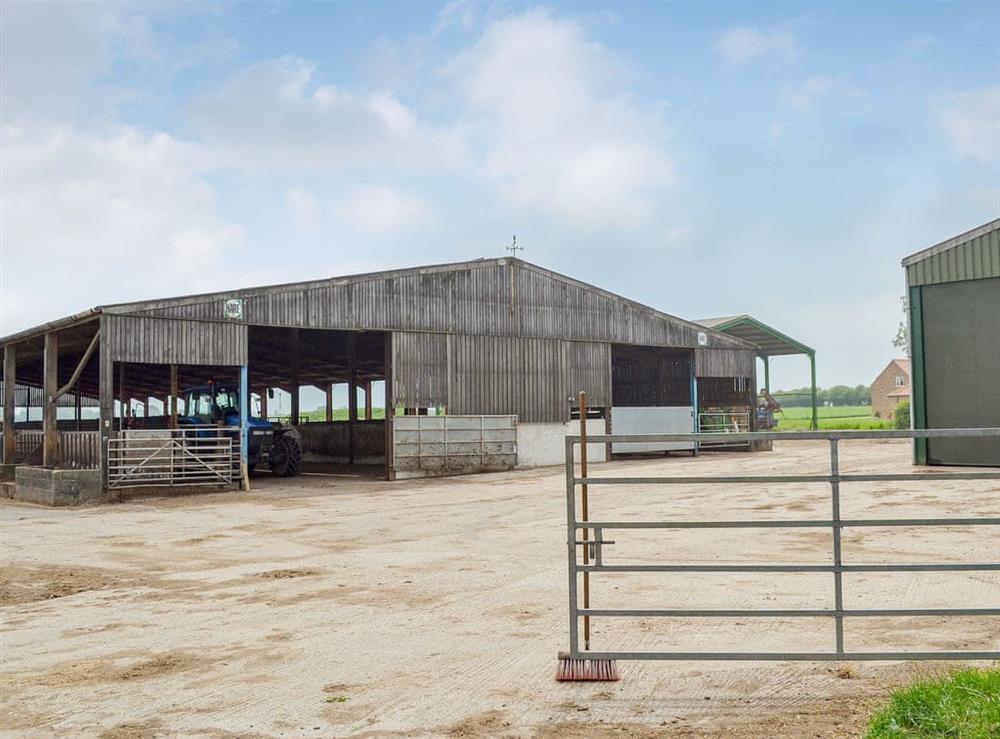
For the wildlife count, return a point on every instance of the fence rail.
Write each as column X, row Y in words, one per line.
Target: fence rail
column 78, row 449
column 723, row 423
column 173, row 457
column 593, row 540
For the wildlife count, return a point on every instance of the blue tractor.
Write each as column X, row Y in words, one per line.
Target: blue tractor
column 277, row 446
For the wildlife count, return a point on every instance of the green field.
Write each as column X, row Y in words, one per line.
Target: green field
column 339, row 414
column 836, row 418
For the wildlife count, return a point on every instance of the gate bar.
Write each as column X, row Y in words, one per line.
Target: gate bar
column 783, row 613
column 837, row 568
column 793, row 524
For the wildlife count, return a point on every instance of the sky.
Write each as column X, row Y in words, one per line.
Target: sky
column 707, row 159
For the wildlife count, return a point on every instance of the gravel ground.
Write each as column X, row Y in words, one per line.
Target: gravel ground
column 344, row 606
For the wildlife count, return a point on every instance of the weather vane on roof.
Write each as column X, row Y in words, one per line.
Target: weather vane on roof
column 514, row 248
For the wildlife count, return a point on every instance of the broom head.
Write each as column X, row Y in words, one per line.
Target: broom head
column 586, row 670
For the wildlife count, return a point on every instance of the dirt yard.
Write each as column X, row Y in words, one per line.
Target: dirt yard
column 336, row 606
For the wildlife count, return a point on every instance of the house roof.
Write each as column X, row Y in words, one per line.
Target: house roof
column 770, row 342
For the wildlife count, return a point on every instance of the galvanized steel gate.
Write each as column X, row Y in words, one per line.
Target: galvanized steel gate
column 203, row 455
column 590, row 535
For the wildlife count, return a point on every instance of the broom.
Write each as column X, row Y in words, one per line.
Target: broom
column 579, row 670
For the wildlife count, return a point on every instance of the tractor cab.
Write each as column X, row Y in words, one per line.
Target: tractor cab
column 268, row 443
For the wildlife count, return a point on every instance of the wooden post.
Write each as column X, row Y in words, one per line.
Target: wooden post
column 294, row 420
column 368, row 400
column 390, row 470
column 329, row 402
column 122, row 401
column 173, row 396
column 263, row 403
column 50, row 448
column 78, row 410
column 584, row 515
column 352, row 393
column 9, row 380
column 106, row 395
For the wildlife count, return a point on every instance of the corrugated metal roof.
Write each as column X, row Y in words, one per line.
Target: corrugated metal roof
column 973, row 255
column 769, row 341
column 639, row 323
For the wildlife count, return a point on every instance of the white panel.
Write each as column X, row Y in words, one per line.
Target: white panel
column 672, row 420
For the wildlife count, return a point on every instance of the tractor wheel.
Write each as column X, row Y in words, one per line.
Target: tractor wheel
column 286, row 457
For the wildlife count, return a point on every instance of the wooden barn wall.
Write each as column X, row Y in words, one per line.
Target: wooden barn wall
column 498, row 299
column 498, row 375
column 153, row 340
column 419, row 370
column 589, row 369
column 532, row 378
column 725, row 363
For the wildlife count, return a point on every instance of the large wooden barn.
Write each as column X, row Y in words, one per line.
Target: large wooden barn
column 496, row 348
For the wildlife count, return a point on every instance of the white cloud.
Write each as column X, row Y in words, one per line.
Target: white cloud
column 553, row 127
column 57, row 58
column 801, row 98
column 302, row 209
column 120, row 214
column 275, row 115
column 456, row 14
column 986, row 196
column 971, row 119
column 379, row 210
column 534, row 109
column 740, row 45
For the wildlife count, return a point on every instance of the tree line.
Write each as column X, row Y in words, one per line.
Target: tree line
column 836, row 395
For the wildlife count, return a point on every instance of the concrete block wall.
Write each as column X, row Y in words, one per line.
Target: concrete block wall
column 426, row 446
column 58, row 487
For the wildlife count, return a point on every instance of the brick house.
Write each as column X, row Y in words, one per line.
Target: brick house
column 891, row 386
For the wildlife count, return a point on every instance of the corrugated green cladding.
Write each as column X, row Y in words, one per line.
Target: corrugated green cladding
column 971, row 256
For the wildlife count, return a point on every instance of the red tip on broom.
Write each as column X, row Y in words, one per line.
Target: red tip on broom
column 586, row 670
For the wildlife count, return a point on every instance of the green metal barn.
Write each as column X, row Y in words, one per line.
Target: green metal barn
column 953, row 289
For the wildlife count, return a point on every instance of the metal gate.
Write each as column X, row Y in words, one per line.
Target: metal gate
column 208, row 455
column 590, row 535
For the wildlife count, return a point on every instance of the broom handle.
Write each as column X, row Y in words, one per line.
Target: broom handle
column 584, row 511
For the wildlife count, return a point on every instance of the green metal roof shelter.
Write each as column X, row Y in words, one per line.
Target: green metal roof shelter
column 769, row 342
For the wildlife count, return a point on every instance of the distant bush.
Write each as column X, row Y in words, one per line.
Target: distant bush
column 902, row 414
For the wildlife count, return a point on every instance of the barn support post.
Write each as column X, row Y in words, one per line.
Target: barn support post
column 390, row 469
column 767, row 374
column 50, row 428
column 9, row 380
column 812, row 373
column 173, row 396
column 294, row 413
column 263, row 403
column 122, row 399
column 329, row 402
column 106, row 396
column 244, row 426
column 352, row 393
column 368, row 400
column 78, row 411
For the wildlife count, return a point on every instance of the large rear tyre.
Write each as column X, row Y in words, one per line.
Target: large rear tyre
column 286, row 456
